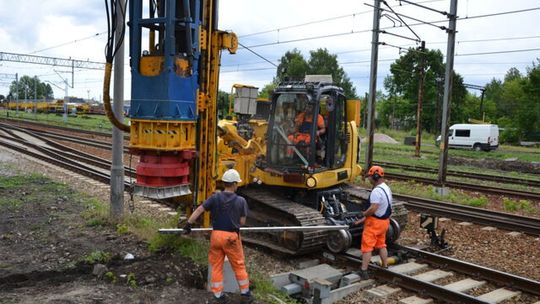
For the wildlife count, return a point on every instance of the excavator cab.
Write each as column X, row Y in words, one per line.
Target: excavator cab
column 307, row 128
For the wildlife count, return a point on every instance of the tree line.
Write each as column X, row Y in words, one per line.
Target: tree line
column 29, row 88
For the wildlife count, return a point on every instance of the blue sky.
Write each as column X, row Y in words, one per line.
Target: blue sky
column 343, row 27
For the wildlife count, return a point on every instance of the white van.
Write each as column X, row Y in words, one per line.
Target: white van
column 472, row 136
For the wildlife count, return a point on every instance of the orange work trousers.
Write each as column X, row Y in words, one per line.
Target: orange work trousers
column 296, row 139
column 374, row 234
column 225, row 243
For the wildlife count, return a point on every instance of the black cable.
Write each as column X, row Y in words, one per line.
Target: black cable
column 498, row 52
column 257, row 54
column 112, row 16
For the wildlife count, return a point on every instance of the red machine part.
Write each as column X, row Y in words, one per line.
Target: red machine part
column 164, row 169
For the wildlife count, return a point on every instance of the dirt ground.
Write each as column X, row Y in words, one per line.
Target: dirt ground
column 48, row 253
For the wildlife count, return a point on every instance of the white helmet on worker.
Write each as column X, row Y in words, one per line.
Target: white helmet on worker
column 231, row 176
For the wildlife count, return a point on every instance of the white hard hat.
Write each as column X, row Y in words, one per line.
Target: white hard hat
column 231, row 176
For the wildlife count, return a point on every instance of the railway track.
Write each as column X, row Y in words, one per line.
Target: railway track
column 478, row 176
column 60, row 136
column 72, row 160
column 471, row 187
column 39, row 126
column 479, row 216
column 405, row 280
column 421, row 269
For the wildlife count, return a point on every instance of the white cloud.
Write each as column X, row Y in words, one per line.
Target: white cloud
column 31, row 25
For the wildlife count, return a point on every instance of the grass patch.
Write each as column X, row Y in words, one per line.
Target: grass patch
column 521, row 205
column 97, row 256
column 18, row 181
column 84, row 122
column 19, row 190
column 265, row 290
column 479, row 202
column 96, row 213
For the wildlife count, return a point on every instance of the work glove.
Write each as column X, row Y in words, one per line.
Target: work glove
column 187, row 228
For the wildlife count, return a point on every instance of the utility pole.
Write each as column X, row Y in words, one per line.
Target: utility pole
column 117, row 166
column 420, row 99
column 35, row 96
column 443, row 155
column 17, row 101
column 373, row 83
column 66, row 86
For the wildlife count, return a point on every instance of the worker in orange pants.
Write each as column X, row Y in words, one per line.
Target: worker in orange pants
column 376, row 220
column 228, row 212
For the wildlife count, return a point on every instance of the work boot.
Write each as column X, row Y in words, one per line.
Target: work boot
column 364, row 275
column 246, row 298
column 221, row 300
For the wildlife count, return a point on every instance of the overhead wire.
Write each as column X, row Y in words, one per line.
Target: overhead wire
column 67, row 43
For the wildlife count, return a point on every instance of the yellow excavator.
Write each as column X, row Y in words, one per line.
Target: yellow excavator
column 297, row 153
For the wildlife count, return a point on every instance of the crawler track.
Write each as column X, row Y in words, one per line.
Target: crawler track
column 264, row 202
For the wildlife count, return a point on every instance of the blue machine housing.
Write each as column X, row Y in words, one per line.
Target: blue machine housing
column 169, row 95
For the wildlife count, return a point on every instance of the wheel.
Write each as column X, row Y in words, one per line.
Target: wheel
column 394, row 230
column 339, row 241
column 477, row 147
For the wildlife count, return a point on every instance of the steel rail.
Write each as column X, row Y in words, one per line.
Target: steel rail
column 485, row 189
column 491, row 275
column 438, row 261
column 425, row 288
column 41, row 125
column 479, row 176
column 70, row 152
column 503, row 220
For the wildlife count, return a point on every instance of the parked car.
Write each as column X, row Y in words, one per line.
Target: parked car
column 473, row 136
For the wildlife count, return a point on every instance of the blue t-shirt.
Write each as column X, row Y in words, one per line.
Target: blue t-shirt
column 226, row 209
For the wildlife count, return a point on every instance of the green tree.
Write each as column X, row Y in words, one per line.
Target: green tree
column 512, row 74
column 322, row 62
column 292, row 66
column 528, row 112
column 223, row 103
column 32, row 87
column 267, row 90
column 403, row 82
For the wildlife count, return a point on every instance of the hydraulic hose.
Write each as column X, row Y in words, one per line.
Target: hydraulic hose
column 107, row 100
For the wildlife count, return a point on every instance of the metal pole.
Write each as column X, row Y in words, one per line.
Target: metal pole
column 373, row 83
column 117, row 166
column 420, row 99
column 35, row 95
column 261, row 229
column 65, row 100
column 17, row 101
column 443, row 156
column 482, row 104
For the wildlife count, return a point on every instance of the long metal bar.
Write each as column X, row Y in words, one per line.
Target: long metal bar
column 443, row 156
column 260, row 229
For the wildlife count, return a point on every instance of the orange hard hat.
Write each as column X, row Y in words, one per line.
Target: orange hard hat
column 376, row 170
